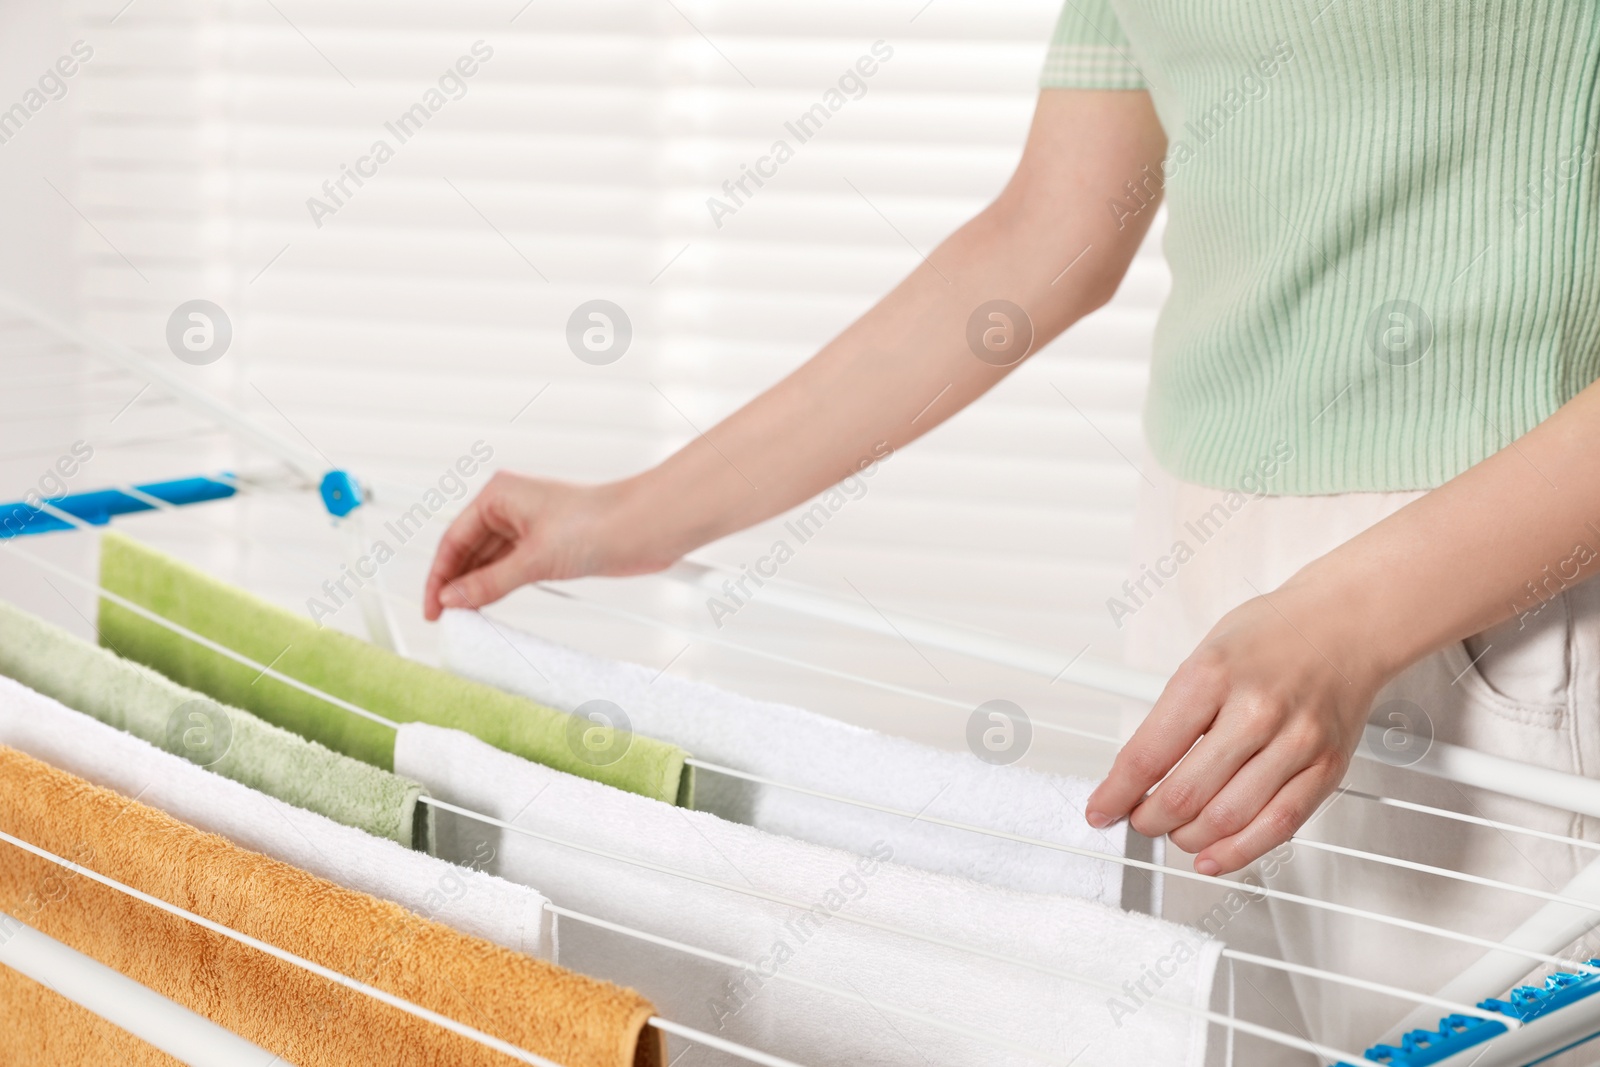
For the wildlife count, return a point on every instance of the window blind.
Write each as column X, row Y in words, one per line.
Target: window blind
column 426, row 307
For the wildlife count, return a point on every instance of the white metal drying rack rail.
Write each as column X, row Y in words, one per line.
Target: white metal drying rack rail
column 1217, row 1018
column 1567, row 917
column 1570, row 901
column 1458, row 765
column 760, row 1057
column 1436, row 1001
column 714, row 768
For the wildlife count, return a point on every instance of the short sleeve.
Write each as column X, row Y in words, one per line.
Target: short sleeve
column 1088, row 50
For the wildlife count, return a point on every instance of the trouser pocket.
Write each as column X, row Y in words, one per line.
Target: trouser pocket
column 1524, row 692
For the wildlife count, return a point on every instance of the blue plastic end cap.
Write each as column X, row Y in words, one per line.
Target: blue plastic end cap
column 340, row 494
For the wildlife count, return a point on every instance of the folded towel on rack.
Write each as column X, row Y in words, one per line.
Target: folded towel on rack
column 460, row 895
column 721, row 908
column 788, row 744
column 306, row 1019
column 362, row 674
column 134, row 698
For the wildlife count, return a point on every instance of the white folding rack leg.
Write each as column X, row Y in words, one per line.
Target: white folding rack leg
column 303, row 460
column 374, row 610
column 1468, row 766
column 1550, row 929
column 120, row 1000
column 381, row 627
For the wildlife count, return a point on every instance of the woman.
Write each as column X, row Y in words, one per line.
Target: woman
column 1383, row 238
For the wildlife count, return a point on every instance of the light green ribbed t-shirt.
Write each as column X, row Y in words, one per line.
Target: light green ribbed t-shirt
column 1382, row 226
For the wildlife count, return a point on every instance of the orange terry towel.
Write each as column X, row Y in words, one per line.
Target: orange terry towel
column 308, row 1020
column 41, row 1026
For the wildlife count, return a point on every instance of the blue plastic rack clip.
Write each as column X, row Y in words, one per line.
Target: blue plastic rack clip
column 340, row 493
column 1560, row 989
column 96, row 508
column 1420, row 1048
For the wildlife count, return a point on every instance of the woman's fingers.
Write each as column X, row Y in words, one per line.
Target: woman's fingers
column 1238, row 802
column 1200, row 775
column 1276, row 823
column 486, row 584
column 1187, row 708
column 459, row 551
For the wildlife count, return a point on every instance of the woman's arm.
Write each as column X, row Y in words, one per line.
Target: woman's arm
column 1277, row 693
column 891, row 376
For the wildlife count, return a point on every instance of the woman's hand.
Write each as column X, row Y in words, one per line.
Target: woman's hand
column 520, row 530
column 1256, row 728
column 1261, row 720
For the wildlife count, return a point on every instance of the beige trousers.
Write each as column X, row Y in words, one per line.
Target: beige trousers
column 1528, row 689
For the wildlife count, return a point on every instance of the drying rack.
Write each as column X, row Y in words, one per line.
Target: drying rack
column 1528, row 1026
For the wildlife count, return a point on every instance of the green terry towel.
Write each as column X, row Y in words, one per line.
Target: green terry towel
column 276, row 762
column 362, row 674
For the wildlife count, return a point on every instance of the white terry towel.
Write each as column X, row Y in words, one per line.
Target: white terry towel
column 461, row 894
column 1083, row 1025
column 794, row 746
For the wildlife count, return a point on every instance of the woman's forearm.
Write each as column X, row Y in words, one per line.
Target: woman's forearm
column 1048, row 245
column 1498, row 540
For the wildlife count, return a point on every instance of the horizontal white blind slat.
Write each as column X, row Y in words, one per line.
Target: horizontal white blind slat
column 576, row 163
